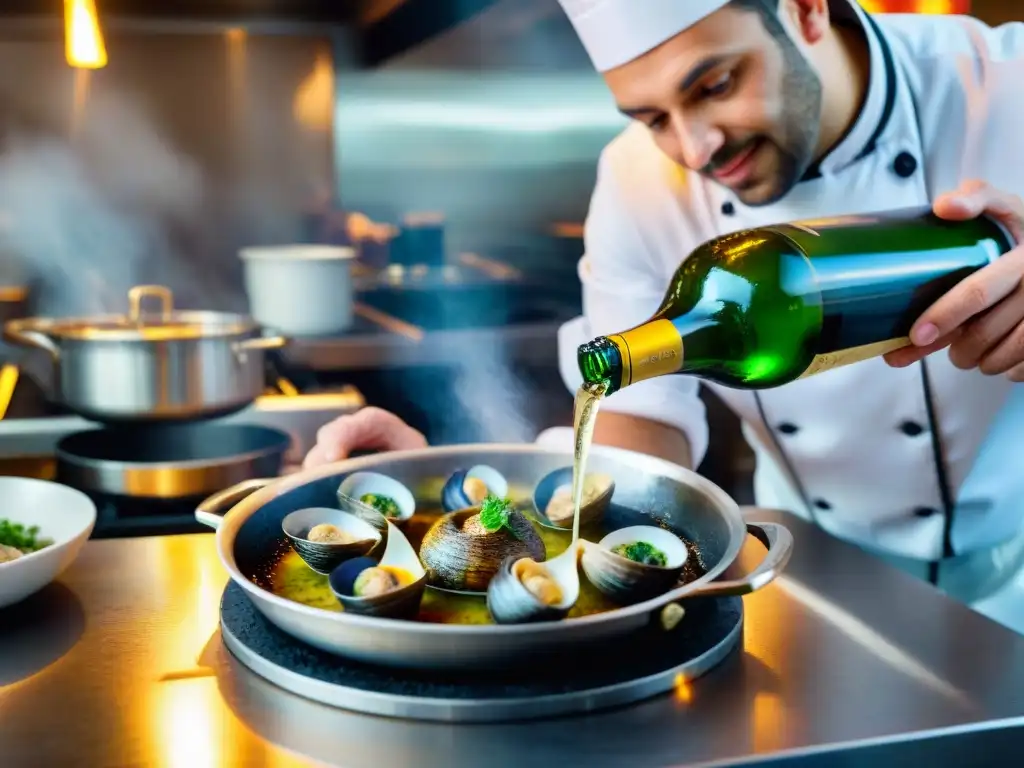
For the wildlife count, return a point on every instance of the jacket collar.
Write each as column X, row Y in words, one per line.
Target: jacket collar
column 861, row 139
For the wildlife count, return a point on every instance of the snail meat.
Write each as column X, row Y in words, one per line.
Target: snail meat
column 391, row 587
column 467, row 488
column 538, row 581
column 552, row 498
column 525, row 590
column 324, row 538
column 325, row 533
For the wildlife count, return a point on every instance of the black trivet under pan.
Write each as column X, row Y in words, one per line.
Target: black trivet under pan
column 624, row 671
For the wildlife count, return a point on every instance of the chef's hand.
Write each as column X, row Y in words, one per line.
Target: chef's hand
column 364, row 430
column 981, row 319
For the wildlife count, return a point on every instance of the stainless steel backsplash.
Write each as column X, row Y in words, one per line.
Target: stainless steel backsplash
column 496, row 123
column 193, row 142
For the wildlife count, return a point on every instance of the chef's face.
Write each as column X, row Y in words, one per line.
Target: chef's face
column 732, row 97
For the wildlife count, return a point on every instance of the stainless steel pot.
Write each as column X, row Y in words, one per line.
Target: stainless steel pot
column 169, row 365
column 249, row 533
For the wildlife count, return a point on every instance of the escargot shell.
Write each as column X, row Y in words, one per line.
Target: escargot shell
column 324, row 538
column 399, row 562
column 552, row 498
column 378, row 492
column 625, row 581
column 467, row 488
column 460, row 555
column 525, row 591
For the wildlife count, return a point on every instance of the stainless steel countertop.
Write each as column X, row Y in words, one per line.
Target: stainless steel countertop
column 120, row 663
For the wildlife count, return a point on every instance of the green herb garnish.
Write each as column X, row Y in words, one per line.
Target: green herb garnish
column 383, row 504
column 21, row 537
column 495, row 514
column 641, row 552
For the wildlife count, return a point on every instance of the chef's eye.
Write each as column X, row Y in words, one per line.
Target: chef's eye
column 717, row 87
column 658, row 123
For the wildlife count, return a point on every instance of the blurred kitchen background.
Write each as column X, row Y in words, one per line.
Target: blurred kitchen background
column 451, row 142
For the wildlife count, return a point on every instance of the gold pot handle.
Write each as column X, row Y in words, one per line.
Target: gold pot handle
column 28, row 332
column 260, row 342
column 212, row 509
column 140, row 292
column 245, row 346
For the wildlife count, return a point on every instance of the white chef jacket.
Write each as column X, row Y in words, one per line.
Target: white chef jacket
column 854, row 448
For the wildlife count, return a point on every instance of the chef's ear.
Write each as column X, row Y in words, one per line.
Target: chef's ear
column 809, row 19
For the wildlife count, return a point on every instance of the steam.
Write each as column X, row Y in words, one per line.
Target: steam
column 489, row 393
column 95, row 214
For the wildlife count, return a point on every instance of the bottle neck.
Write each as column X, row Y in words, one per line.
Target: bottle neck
column 649, row 350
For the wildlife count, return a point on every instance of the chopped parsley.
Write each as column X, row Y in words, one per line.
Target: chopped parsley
column 496, row 513
column 21, row 537
column 383, row 504
column 641, row 552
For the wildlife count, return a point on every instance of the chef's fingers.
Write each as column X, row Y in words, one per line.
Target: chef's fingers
column 981, row 336
column 316, row 457
column 1016, row 373
column 368, row 429
column 970, row 297
column 909, row 355
column 974, row 198
column 1007, row 354
column 966, row 202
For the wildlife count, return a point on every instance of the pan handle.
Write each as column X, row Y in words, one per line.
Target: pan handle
column 263, row 343
column 778, row 541
column 28, row 332
column 212, row 509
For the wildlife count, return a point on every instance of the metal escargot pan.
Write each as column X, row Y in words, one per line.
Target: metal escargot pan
column 248, row 519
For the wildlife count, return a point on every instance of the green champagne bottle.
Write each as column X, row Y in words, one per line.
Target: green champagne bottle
column 763, row 307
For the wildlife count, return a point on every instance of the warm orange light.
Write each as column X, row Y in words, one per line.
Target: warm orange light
column 917, row 6
column 313, row 106
column 683, row 690
column 83, row 40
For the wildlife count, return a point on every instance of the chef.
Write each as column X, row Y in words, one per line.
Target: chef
column 749, row 112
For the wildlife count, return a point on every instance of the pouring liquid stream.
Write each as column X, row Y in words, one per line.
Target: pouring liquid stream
column 586, row 406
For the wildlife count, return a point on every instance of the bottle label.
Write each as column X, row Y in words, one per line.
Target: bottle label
column 649, row 350
column 830, row 360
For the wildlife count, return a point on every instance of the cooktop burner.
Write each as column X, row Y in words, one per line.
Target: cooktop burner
column 648, row 663
column 124, row 516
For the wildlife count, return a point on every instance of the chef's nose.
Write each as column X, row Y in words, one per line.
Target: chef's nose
column 697, row 143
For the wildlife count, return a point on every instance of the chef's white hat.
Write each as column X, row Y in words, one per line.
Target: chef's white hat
column 616, row 31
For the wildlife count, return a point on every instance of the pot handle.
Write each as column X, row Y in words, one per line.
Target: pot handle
column 777, row 540
column 212, row 509
column 241, row 348
column 140, row 292
column 27, row 332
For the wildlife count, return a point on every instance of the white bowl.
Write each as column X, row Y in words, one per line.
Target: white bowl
column 300, row 290
column 64, row 515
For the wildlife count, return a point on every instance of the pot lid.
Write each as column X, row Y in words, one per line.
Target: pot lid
column 167, row 324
